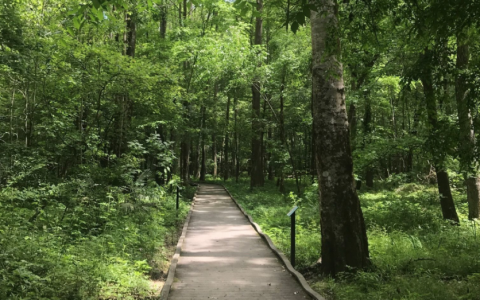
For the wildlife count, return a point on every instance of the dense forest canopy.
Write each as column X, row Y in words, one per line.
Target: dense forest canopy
column 107, row 106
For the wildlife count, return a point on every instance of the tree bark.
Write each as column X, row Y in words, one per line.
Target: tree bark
column 163, row 20
column 473, row 194
column 352, row 122
column 235, row 137
column 226, row 166
column 344, row 237
column 203, row 169
column 271, row 174
column 214, row 155
column 130, row 36
column 467, row 133
column 256, row 176
column 367, row 128
column 446, row 199
column 185, row 159
column 184, row 9
column 281, row 181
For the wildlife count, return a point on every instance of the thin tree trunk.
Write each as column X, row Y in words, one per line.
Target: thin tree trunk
column 185, row 159
column 343, row 233
column 473, row 194
column 446, row 199
column 175, row 162
column 237, row 161
column 184, row 9
column 130, row 36
column 11, row 115
column 314, row 159
column 214, row 155
column 226, row 166
column 367, row 120
column 163, row 20
column 203, row 170
column 196, row 160
column 467, row 134
column 271, row 174
column 281, row 183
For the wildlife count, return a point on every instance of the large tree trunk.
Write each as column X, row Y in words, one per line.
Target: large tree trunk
column 446, row 199
column 344, row 237
column 467, row 134
column 257, row 178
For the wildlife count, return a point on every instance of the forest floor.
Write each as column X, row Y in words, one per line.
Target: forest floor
column 224, row 257
column 415, row 254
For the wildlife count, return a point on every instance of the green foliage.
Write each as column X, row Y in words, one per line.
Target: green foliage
column 415, row 254
column 84, row 239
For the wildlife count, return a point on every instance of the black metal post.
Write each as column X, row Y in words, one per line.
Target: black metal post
column 292, row 240
column 178, row 195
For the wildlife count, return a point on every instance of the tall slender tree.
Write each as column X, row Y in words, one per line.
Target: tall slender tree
column 257, row 176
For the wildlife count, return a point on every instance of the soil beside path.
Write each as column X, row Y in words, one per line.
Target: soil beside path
column 223, row 257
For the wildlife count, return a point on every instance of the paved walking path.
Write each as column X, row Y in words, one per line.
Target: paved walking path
column 223, row 257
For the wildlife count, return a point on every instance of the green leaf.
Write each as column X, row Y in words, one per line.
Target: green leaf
column 100, row 15
column 70, row 31
column 76, row 23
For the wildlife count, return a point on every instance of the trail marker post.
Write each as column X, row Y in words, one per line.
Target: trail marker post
column 291, row 214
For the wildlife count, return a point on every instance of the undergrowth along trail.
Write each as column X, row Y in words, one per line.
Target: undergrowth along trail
column 415, row 254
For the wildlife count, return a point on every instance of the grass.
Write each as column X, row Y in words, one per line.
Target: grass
column 415, row 254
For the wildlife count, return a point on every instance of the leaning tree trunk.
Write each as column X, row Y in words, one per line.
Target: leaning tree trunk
column 257, row 178
column 467, row 134
column 446, row 199
column 344, row 237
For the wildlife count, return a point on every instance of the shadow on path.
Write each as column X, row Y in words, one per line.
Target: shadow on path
column 223, row 257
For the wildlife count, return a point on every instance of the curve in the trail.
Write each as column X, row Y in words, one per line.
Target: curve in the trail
column 223, row 257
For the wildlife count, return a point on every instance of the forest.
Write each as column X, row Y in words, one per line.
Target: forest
column 363, row 113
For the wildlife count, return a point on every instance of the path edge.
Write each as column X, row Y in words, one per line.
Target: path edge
column 298, row 276
column 173, row 265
